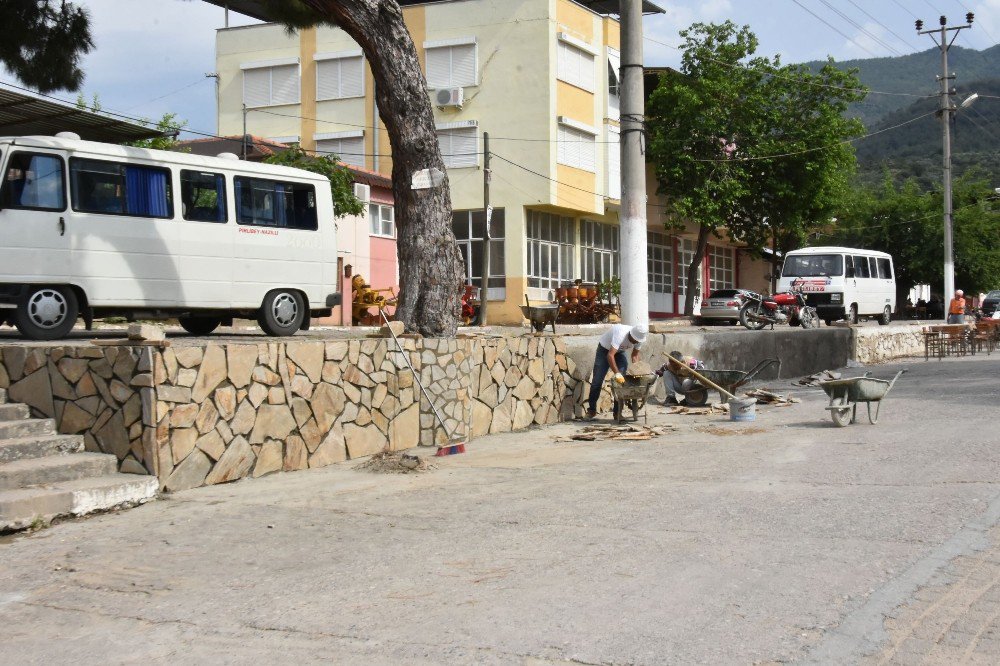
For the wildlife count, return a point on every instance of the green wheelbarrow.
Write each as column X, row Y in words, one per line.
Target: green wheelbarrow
column 845, row 394
column 730, row 380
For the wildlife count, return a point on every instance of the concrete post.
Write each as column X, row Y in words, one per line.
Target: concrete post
column 949, row 260
column 632, row 257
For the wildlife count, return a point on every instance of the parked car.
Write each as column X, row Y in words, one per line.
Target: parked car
column 722, row 306
column 991, row 303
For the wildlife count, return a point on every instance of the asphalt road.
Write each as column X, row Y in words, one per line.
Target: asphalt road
column 782, row 540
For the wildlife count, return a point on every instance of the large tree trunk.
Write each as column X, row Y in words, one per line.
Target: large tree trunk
column 430, row 266
column 694, row 268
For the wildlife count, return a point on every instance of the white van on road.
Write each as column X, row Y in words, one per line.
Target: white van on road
column 842, row 282
column 97, row 230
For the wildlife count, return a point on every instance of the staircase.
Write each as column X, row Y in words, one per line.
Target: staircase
column 44, row 475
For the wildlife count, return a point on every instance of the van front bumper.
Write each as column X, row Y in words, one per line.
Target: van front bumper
column 831, row 311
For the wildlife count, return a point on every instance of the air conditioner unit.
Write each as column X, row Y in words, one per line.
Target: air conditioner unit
column 363, row 192
column 450, row 97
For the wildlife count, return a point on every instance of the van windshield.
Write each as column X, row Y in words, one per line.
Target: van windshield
column 811, row 265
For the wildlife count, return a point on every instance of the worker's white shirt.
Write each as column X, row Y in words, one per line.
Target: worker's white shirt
column 616, row 337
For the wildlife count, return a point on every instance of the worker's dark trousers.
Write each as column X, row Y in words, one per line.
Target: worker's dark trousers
column 601, row 368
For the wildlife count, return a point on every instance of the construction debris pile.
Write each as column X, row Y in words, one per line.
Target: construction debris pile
column 393, row 462
column 765, row 397
column 707, row 410
column 814, row 380
column 620, row 433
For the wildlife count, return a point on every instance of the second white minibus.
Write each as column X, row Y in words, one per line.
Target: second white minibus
column 93, row 230
column 843, row 282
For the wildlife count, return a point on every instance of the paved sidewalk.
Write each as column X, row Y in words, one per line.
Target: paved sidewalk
column 782, row 540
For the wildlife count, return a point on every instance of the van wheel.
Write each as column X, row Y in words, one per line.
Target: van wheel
column 47, row 313
column 281, row 313
column 852, row 315
column 886, row 316
column 199, row 325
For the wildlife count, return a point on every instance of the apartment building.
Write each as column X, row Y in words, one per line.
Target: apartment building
column 540, row 76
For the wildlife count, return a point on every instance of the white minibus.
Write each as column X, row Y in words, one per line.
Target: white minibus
column 96, row 230
column 843, row 282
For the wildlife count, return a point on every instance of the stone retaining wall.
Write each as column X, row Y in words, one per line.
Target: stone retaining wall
column 204, row 414
column 883, row 344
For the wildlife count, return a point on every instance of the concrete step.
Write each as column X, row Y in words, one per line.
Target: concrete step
column 20, row 508
column 14, row 411
column 38, row 446
column 55, row 469
column 26, row 428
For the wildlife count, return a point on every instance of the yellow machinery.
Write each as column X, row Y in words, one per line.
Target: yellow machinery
column 366, row 298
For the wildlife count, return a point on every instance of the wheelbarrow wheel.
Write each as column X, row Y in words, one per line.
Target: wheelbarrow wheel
column 539, row 326
column 696, row 397
column 841, row 416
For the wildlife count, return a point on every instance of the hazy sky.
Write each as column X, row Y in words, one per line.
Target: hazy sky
column 151, row 56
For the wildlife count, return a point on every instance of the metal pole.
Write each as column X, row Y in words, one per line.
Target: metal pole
column 244, row 155
column 949, row 261
column 488, row 211
column 632, row 258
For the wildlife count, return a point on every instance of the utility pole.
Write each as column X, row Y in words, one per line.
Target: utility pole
column 484, row 289
column 243, row 155
column 940, row 37
column 632, row 258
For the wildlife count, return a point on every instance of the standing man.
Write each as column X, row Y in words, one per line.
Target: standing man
column 956, row 308
column 610, row 355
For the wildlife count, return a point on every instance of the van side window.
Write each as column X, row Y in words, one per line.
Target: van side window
column 884, row 269
column 35, row 182
column 203, row 196
column 270, row 203
column 849, row 266
column 861, row 267
column 120, row 189
column 872, row 267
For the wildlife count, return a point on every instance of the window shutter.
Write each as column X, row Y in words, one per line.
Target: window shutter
column 257, row 87
column 438, row 67
column 285, row 84
column 352, row 77
column 328, row 79
column 614, row 163
column 463, row 65
column 352, row 151
column 465, row 145
column 445, row 145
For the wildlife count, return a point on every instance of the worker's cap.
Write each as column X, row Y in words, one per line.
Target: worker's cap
column 639, row 333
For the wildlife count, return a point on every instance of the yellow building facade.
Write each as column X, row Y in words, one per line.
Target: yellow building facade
column 539, row 76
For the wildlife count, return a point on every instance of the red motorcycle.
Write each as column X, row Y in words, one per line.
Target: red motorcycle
column 788, row 307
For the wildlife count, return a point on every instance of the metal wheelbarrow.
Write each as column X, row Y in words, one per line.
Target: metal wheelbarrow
column 727, row 379
column 632, row 394
column 845, row 394
column 540, row 316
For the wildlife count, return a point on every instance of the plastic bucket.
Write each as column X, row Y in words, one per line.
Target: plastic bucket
column 743, row 409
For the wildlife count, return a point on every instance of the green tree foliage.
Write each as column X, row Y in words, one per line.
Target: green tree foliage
column 742, row 144
column 907, row 222
column 341, row 181
column 42, row 41
column 169, row 126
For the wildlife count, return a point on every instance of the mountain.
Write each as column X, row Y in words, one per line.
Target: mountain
column 914, row 74
column 909, row 145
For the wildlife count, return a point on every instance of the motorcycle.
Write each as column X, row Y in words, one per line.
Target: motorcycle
column 787, row 307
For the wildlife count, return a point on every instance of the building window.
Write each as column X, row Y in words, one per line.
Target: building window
column 599, row 243
column 382, row 220
column 348, row 147
column 34, row 182
column 686, row 250
column 470, row 229
column 120, row 189
column 340, row 76
column 721, row 263
column 577, row 146
column 550, row 249
column 660, row 263
column 270, row 84
column 269, row 203
column 451, row 63
column 614, row 84
column 459, row 143
column 575, row 62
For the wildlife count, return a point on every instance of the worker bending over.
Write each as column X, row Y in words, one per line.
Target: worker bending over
column 610, row 355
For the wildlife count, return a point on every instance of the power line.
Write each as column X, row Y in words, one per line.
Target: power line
column 858, row 26
column 884, row 26
column 834, row 28
column 156, row 99
column 795, row 79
